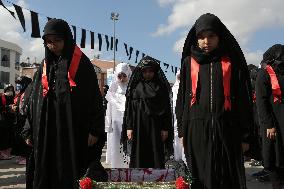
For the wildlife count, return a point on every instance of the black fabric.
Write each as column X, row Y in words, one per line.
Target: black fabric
column 126, row 49
column 147, row 113
column 92, row 39
column 74, row 33
column 212, row 136
column 48, row 18
column 130, row 52
column 100, row 41
column 11, row 12
column 111, row 43
column 83, row 38
column 137, row 54
column 35, row 25
column 116, row 43
column 143, row 55
column 59, row 124
column 7, row 119
column 20, row 16
column 274, row 56
column 107, row 42
column 270, row 112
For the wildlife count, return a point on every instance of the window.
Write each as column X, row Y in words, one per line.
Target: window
column 4, row 78
column 5, row 57
column 17, row 61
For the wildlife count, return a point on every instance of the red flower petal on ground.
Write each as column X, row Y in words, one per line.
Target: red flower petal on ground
column 86, row 183
column 181, row 184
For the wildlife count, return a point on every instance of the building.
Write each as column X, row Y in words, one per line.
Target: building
column 10, row 63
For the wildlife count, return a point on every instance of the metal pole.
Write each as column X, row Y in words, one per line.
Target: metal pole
column 114, row 46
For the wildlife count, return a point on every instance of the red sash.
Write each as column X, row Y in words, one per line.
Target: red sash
column 71, row 72
column 276, row 90
column 226, row 72
column 4, row 102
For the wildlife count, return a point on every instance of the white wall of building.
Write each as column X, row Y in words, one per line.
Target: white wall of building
column 14, row 52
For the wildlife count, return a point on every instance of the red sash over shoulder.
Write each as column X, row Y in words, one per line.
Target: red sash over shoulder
column 71, row 72
column 226, row 70
column 276, row 90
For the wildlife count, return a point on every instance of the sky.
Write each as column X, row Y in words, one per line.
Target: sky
column 155, row 27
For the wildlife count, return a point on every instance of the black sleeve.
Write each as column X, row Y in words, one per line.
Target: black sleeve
column 263, row 103
column 27, row 130
column 245, row 104
column 97, row 121
column 181, row 98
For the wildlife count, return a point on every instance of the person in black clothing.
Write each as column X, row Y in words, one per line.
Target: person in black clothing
column 270, row 106
column 147, row 118
column 214, row 106
column 7, row 118
column 19, row 146
column 66, row 116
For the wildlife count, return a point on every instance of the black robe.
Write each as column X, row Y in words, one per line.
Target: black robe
column 148, row 113
column 271, row 114
column 60, row 124
column 212, row 138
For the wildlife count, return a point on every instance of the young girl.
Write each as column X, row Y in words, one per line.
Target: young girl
column 269, row 101
column 214, row 108
column 147, row 118
column 66, row 116
column 114, row 115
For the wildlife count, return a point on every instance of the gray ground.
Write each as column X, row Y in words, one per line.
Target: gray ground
column 12, row 175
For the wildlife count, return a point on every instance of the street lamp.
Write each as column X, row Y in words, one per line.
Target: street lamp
column 114, row 17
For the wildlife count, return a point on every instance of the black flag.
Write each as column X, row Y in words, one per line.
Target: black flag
column 92, row 40
column 137, row 53
column 111, row 43
column 130, row 52
column 74, row 33
column 20, row 16
column 11, row 12
column 107, row 41
column 126, row 49
column 35, row 25
column 83, row 38
column 100, row 41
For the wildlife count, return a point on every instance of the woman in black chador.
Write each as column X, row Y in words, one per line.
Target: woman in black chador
column 214, row 107
column 147, row 117
column 66, row 113
column 270, row 106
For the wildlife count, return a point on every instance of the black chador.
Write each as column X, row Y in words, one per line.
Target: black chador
column 270, row 106
column 214, row 107
column 147, row 114
column 65, row 107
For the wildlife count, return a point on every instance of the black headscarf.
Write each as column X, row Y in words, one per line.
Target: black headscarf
column 61, row 29
column 274, row 56
column 227, row 43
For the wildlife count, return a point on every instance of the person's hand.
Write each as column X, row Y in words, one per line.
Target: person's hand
column 245, row 147
column 271, row 133
column 130, row 134
column 164, row 135
column 181, row 140
column 14, row 108
column 29, row 142
column 92, row 140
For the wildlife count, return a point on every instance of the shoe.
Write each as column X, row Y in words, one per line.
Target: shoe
column 255, row 163
column 261, row 173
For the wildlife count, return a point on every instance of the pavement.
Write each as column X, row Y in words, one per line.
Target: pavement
column 12, row 175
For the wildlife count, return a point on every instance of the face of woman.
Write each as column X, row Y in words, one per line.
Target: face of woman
column 148, row 73
column 122, row 77
column 207, row 41
column 55, row 44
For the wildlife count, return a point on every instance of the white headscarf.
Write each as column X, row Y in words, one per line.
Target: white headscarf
column 116, row 86
column 176, row 84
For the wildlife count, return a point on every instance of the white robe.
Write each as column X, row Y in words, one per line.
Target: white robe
column 114, row 119
column 178, row 148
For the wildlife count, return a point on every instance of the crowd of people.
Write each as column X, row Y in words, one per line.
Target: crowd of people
column 219, row 113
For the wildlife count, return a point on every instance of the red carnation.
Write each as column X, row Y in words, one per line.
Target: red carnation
column 86, row 183
column 181, row 184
